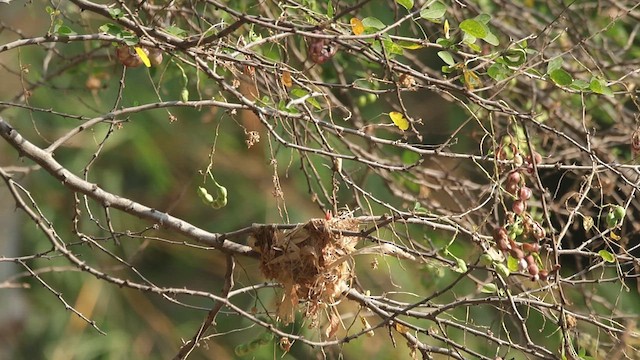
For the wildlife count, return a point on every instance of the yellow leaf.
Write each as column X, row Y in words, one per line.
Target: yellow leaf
column 143, row 56
column 356, row 26
column 401, row 122
column 446, row 29
column 614, row 236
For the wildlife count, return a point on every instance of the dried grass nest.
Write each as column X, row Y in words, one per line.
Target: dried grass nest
column 312, row 262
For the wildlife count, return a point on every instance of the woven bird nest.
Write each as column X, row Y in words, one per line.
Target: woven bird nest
column 311, row 261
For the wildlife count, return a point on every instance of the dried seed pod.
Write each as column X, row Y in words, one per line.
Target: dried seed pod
column 524, row 193
column 519, row 207
column 514, row 178
column 635, row 141
column 538, row 232
column 511, row 188
column 517, row 160
column 517, row 253
column 537, row 157
column 407, row 81
column 543, row 274
column 128, row 57
column 531, row 248
column 155, row 57
column 321, row 50
column 534, row 272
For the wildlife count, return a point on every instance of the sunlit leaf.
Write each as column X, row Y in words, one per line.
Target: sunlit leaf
column 587, row 223
column 143, row 56
column 356, row 26
column 607, row 256
column 474, row 28
column 399, row 120
column 408, row 4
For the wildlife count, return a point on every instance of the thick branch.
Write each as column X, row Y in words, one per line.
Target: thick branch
column 105, row 198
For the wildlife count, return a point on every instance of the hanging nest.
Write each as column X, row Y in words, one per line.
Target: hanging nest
column 311, row 261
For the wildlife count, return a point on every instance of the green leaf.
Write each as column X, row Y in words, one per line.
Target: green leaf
column 409, row 45
column 489, row 288
column 391, row 47
column 329, row 8
column 474, row 28
column 410, row 158
column 599, row 86
column 514, row 57
column 371, row 22
column 579, row 84
column 491, row 39
column 483, row 18
column 607, row 256
column 110, row 29
column 561, row 77
column 554, row 64
column 619, row 212
column 513, row 264
column 434, row 12
column 408, row 4
column 63, row 30
column 116, row 13
column 446, row 57
column 176, row 31
column 314, row 103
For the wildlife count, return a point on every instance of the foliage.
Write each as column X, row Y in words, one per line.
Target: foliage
column 222, row 179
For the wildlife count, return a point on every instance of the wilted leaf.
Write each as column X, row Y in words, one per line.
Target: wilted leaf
column 286, row 79
column 399, row 120
column 356, row 26
column 400, row 328
column 587, row 223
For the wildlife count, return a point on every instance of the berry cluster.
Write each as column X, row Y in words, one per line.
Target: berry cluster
column 521, row 235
